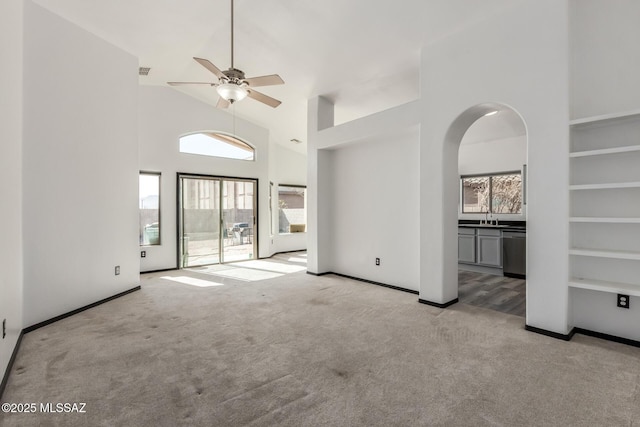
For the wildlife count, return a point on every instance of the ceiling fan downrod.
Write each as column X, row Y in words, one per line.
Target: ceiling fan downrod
column 232, row 34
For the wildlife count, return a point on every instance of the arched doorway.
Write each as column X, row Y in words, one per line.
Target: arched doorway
column 485, row 154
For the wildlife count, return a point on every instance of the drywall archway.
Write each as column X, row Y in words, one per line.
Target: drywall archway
column 439, row 207
column 506, row 125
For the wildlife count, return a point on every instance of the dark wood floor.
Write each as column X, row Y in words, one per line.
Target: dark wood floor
column 498, row 293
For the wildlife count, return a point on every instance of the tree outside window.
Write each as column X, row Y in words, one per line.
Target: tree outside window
column 498, row 193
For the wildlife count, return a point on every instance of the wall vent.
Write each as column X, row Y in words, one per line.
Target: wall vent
column 144, row 71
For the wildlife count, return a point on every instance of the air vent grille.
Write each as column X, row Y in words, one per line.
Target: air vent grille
column 144, row 71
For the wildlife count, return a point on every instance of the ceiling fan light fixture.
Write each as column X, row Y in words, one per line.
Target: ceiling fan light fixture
column 232, row 92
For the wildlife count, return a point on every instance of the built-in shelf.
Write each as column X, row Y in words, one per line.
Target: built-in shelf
column 604, row 220
column 604, row 286
column 605, row 186
column 598, row 253
column 605, row 151
column 602, row 138
column 604, row 117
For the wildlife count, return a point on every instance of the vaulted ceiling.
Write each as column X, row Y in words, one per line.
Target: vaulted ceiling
column 362, row 54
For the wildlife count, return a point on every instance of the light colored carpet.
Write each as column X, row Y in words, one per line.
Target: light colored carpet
column 300, row 350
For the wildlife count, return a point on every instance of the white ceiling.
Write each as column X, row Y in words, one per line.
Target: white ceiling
column 363, row 54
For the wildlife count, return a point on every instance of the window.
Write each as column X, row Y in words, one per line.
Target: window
column 216, row 145
column 149, row 204
column 498, row 193
column 292, row 209
column 271, row 208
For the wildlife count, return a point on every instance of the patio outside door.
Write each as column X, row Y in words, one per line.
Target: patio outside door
column 216, row 220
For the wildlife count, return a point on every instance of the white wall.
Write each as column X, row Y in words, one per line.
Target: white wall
column 375, row 209
column 322, row 177
column 499, row 155
column 286, row 167
column 80, row 167
column 604, row 74
column 604, row 54
column 166, row 114
column 597, row 311
column 11, row 277
column 289, row 167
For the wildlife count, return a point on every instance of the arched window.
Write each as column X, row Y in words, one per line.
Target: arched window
column 216, row 145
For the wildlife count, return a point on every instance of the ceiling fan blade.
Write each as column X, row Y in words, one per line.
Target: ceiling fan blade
column 222, row 103
column 209, row 66
column 270, row 80
column 190, row 83
column 271, row 102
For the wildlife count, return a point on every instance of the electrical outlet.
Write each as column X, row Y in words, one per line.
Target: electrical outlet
column 4, row 328
column 143, row 254
column 377, row 261
column 117, row 270
column 623, row 301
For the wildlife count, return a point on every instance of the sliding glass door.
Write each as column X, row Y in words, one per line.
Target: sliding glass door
column 238, row 204
column 216, row 220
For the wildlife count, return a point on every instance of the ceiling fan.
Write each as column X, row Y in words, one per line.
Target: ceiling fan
column 232, row 85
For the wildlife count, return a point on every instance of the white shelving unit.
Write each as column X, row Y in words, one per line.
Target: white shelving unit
column 605, row 186
column 605, row 203
column 605, row 254
column 605, row 286
column 605, row 151
column 604, row 220
column 604, row 117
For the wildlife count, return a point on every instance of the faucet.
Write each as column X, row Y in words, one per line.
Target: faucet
column 486, row 218
column 492, row 221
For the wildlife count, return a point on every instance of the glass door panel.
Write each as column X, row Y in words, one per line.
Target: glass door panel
column 216, row 220
column 199, row 212
column 238, row 206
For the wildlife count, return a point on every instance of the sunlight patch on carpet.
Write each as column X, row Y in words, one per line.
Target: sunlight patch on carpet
column 270, row 266
column 192, row 281
column 246, row 274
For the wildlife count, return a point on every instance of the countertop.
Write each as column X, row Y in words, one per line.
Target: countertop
column 505, row 226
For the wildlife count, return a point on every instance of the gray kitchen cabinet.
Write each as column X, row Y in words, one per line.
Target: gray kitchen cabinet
column 489, row 247
column 467, row 245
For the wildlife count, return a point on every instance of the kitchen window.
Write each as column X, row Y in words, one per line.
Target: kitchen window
column 496, row 193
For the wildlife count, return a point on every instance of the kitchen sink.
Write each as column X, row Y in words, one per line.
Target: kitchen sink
column 501, row 226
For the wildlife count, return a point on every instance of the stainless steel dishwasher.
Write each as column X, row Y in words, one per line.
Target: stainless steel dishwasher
column 514, row 254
